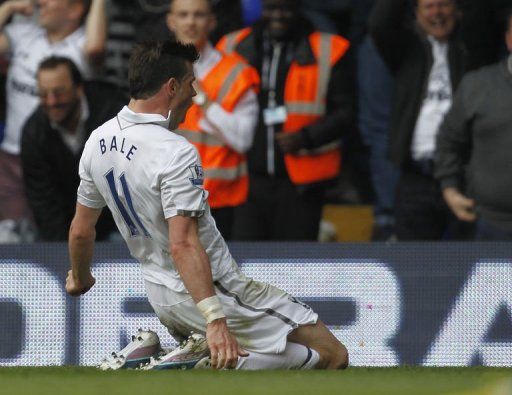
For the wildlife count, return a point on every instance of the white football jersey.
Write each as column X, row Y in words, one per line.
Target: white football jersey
column 146, row 174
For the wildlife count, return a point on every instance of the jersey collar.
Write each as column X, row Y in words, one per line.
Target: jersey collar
column 127, row 117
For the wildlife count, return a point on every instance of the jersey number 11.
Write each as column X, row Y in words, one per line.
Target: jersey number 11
column 137, row 226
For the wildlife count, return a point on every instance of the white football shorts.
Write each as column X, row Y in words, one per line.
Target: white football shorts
column 260, row 315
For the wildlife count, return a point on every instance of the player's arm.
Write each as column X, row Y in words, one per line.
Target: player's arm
column 191, row 259
column 7, row 10
column 82, row 234
column 194, row 268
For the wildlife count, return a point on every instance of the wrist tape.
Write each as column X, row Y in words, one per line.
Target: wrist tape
column 211, row 309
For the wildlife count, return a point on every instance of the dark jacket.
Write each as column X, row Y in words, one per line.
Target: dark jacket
column 474, row 143
column 408, row 54
column 50, row 168
column 340, row 115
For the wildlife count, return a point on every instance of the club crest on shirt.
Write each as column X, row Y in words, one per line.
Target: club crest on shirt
column 295, row 300
column 197, row 175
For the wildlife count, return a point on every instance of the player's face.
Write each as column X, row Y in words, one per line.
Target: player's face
column 191, row 21
column 59, row 96
column 53, row 14
column 279, row 17
column 437, row 17
column 182, row 100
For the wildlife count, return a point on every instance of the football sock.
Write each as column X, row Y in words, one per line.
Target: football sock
column 294, row 356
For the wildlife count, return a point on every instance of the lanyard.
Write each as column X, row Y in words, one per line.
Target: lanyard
column 272, row 55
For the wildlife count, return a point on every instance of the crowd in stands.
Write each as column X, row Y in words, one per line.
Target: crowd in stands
column 402, row 104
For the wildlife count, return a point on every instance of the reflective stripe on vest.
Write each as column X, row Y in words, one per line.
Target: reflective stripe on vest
column 228, row 43
column 227, row 174
column 335, row 145
column 199, row 138
column 229, row 81
column 305, row 108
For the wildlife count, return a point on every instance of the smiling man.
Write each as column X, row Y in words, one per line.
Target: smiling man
column 437, row 18
column 53, row 139
column 428, row 58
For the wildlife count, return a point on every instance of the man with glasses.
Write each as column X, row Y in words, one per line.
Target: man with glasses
column 53, row 140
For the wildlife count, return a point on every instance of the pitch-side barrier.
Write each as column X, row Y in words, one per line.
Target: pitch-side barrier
column 432, row 304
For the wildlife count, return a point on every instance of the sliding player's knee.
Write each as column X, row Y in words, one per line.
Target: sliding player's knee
column 336, row 357
column 340, row 358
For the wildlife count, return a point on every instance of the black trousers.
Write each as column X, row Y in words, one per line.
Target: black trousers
column 278, row 210
column 421, row 212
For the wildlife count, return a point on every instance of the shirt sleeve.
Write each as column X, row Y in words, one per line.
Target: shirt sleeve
column 88, row 194
column 181, row 186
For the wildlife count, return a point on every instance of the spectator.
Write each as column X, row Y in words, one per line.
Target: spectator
column 222, row 119
column 53, row 140
column 473, row 161
column 59, row 31
column 306, row 103
column 428, row 59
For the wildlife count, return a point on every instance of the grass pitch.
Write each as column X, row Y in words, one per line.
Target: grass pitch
column 354, row 381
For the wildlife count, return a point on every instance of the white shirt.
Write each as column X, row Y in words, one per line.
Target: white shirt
column 235, row 128
column 29, row 46
column 435, row 104
column 147, row 174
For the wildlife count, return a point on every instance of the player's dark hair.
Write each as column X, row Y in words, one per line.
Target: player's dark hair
column 55, row 61
column 153, row 62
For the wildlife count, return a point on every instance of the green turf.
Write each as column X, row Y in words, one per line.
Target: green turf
column 356, row 381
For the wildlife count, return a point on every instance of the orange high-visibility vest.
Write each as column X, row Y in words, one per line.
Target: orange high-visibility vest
column 305, row 100
column 225, row 170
